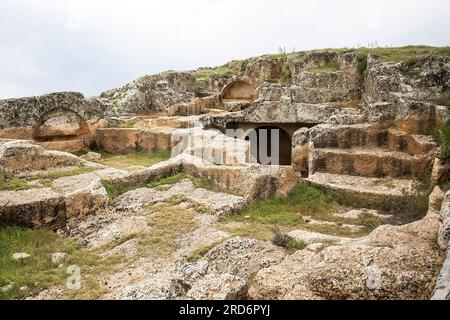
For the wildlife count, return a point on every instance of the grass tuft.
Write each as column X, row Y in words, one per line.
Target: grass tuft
column 201, row 251
column 114, row 190
column 172, row 179
column 10, row 182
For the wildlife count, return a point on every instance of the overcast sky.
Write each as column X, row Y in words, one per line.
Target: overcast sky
column 94, row 45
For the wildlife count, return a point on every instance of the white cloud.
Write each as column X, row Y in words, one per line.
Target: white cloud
column 91, row 46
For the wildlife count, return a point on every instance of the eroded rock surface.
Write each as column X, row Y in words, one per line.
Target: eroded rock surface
column 367, row 268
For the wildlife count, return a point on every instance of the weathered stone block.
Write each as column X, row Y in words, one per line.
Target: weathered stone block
column 19, row 156
column 84, row 194
column 32, row 208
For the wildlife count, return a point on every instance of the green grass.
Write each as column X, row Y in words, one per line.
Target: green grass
column 124, row 162
column 331, row 66
column 115, row 190
column 413, row 207
column 296, row 245
column 164, row 183
column 208, row 184
column 287, row 213
column 405, row 54
column 202, row 76
column 222, row 71
column 362, row 65
column 10, row 182
column 172, row 179
column 38, row 273
column 201, row 251
column 302, row 200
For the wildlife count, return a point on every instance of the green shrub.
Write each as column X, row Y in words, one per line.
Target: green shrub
column 444, row 141
column 362, row 65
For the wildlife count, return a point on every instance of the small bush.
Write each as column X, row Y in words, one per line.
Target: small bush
column 280, row 239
